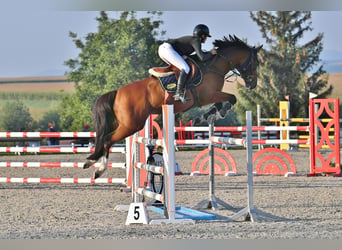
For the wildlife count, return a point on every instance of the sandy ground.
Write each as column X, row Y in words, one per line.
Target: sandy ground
column 307, row 208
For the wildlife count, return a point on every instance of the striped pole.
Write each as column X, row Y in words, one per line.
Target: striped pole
column 56, row 149
column 240, row 141
column 152, row 195
column 150, row 168
column 229, row 140
column 57, row 164
column 149, row 141
column 289, row 141
column 45, row 134
column 324, row 120
column 195, row 142
column 244, row 129
column 64, row 180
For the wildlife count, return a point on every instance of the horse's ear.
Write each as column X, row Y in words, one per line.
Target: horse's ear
column 259, row 48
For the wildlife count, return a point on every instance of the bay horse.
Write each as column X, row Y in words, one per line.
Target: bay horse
column 122, row 112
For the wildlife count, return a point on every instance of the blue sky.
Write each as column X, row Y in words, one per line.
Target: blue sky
column 35, row 41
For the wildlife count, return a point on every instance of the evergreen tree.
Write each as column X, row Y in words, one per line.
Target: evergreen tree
column 120, row 52
column 286, row 65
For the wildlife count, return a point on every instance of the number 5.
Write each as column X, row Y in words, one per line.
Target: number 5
column 136, row 213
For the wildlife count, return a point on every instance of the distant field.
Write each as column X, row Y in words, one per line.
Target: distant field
column 335, row 80
column 38, row 87
column 42, row 85
column 37, row 84
column 59, row 84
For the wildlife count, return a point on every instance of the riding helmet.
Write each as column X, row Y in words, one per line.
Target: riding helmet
column 201, row 29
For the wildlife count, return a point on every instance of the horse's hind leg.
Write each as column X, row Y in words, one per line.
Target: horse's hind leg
column 102, row 168
column 103, row 162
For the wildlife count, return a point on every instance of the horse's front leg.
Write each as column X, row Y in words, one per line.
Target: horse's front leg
column 223, row 102
column 222, row 109
column 221, row 97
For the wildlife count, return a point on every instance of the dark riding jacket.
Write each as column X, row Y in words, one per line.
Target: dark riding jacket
column 186, row 45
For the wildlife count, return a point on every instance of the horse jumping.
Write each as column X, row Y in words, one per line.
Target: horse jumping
column 122, row 112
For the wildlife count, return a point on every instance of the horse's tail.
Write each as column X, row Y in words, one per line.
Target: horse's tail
column 105, row 122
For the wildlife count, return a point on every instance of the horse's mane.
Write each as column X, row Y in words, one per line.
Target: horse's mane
column 232, row 41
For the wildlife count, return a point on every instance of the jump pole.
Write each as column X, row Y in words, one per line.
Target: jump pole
column 251, row 213
column 212, row 201
column 63, row 180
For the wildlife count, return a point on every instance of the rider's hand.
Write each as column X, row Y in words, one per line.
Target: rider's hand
column 213, row 51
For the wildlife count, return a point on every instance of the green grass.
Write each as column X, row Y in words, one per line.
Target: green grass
column 37, row 108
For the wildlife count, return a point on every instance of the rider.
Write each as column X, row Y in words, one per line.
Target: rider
column 173, row 50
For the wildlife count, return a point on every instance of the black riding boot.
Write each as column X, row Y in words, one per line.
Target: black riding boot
column 180, row 92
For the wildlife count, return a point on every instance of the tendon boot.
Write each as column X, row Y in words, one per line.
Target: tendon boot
column 180, row 91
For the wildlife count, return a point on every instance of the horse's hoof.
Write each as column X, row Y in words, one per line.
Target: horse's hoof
column 221, row 114
column 86, row 165
column 97, row 174
column 210, row 113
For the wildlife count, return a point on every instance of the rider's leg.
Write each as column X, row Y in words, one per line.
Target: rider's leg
column 170, row 56
column 180, row 91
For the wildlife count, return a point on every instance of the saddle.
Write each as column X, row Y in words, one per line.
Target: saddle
column 168, row 76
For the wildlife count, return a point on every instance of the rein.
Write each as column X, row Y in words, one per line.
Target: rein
column 236, row 70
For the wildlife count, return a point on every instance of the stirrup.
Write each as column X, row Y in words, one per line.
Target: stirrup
column 181, row 97
column 177, row 96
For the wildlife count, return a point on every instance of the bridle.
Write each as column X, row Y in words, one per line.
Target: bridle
column 243, row 69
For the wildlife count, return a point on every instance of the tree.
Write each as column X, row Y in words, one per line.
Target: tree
column 287, row 67
column 15, row 116
column 51, row 115
column 120, row 52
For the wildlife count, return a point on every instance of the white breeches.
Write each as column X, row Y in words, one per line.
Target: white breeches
column 171, row 57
